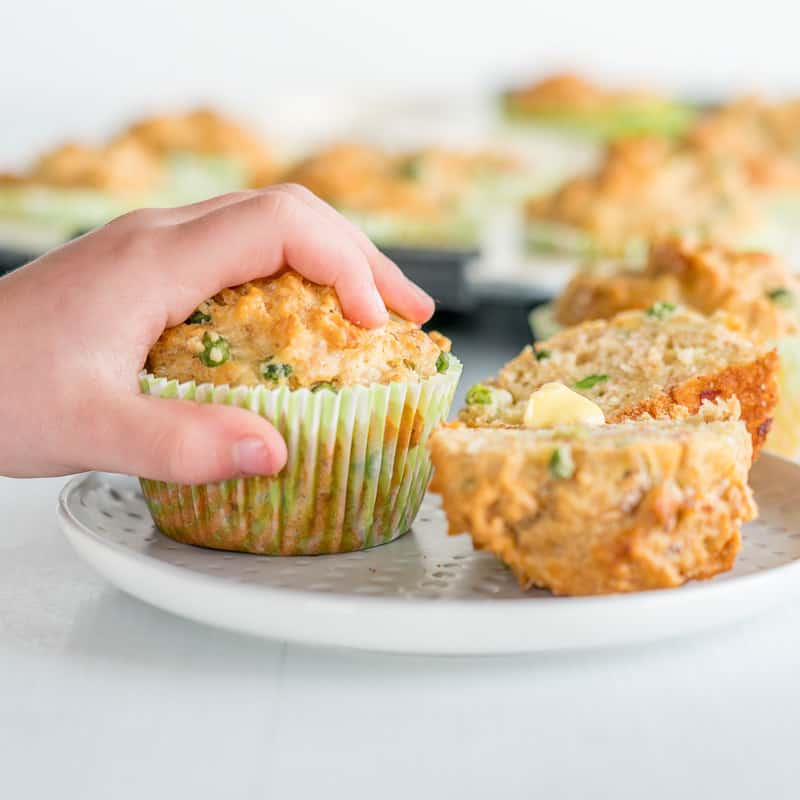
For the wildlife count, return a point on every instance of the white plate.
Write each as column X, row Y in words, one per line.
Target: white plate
column 424, row 593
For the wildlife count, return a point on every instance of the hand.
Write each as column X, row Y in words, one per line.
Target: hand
column 87, row 314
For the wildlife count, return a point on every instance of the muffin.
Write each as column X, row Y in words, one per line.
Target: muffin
column 206, row 142
column 583, row 510
column 757, row 287
column 644, row 189
column 418, row 197
column 761, row 137
column 664, row 362
column 355, row 407
column 572, row 104
column 76, row 187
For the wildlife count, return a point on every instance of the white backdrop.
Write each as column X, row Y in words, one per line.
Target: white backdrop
column 81, row 69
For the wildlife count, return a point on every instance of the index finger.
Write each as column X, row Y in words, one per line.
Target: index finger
column 258, row 237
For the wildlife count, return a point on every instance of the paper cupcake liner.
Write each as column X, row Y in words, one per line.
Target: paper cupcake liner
column 356, row 474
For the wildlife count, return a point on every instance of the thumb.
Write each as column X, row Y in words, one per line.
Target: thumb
column 185, row 442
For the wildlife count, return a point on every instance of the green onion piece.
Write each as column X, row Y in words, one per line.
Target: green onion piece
column 274, row 372
column 781, row 297
column 661, row 309
column 442, row 362
column 561, row 464
column 479, row 395
column 590, row 381
column 410, row 168
column 541, row 355
column 216, row 350
column 318, row 387
column 198, row 318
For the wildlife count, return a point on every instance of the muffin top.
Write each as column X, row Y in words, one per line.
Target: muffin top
column 119, row 167
column 574, row 93
column 646, row 188
column 204, row 132
column 760, row 137
column 758, row 287
column 421, row 183
column 287, row 331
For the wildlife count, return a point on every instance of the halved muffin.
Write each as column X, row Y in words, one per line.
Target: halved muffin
column 664, row 361
column 600, row 509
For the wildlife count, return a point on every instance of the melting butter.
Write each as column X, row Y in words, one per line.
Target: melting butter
column 555, row 404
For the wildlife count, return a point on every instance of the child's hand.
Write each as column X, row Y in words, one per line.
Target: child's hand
column 88, row 313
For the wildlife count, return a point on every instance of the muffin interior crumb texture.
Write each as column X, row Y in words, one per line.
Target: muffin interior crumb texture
column 655, row 361
column 593, row 509
column 287, row 331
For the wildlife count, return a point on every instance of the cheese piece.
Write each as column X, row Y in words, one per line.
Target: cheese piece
column 555, row 404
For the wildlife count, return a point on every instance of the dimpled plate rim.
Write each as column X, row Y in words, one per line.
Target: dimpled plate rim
column 481, row 614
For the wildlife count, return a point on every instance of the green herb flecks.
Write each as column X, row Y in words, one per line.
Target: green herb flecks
column 590, row 381
column 479, row 395
column 410, row 168
column 216, row 350
column 661, row 309
column 272, row 371
column 443, row 362
column 561, row 464
column 198, row 318
column 781, row 297
column 542, row 355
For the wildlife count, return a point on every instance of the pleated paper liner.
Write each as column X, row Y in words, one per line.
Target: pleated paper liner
column 357, row 470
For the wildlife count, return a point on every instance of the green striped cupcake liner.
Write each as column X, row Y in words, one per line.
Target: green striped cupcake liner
column 357, row 470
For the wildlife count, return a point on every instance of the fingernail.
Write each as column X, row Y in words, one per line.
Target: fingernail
column 252, row 457
column 378, row 305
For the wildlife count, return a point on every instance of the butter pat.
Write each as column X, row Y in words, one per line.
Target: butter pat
column 555, row 404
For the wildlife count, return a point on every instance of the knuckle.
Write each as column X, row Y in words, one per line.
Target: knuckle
column 135, row 245
column 171, row 450
column 138, row 218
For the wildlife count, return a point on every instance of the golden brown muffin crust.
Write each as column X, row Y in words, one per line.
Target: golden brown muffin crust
column 421, row 183
column 758, row 287
column 119, row 167
column 646, row 188
column 574, row 93
column 287, row 331
column 760, row 137
column 205, row 132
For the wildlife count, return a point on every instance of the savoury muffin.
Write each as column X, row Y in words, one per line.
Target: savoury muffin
column 644, row 189
column 77, row 187
column 355, row 407
column 573, row 104
column 757, row 287
column 663, row 361
column 125, row 167
column 760, row 137
column 415, row 197
column 584, row 510
column 204, row 132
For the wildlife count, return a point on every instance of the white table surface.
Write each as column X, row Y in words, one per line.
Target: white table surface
column 104, row 697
